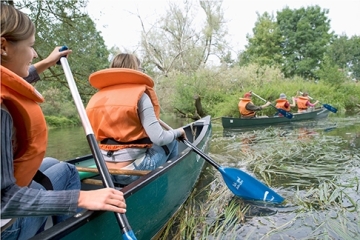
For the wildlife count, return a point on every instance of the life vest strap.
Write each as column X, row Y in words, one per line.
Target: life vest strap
column 111, row 141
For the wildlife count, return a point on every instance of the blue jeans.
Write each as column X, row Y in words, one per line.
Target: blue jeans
column 154, row 157
column 63, row 176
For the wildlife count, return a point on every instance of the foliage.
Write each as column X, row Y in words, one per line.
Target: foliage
column 54, row 121
column 345, row 53
column 176, row 43
column 56, row 104
column 221, row 88
column 264, row 44
column 331, row 73
column 305, row 39
column 66, row 23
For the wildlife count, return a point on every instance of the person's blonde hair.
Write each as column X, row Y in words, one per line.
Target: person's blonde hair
column 125, row 60
column 15, row 25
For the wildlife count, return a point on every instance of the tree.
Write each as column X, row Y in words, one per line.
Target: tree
column 345, row 53
column 175, row 43
column 306, row 36
column 66, row 23
column 264, row 45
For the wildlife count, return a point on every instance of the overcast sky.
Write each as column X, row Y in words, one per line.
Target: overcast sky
column 120, row 27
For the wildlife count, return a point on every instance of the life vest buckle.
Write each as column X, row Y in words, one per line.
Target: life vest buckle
column 110, row 153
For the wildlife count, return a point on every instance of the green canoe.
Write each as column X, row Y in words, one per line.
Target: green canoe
column 151, row 200
column 236, row 123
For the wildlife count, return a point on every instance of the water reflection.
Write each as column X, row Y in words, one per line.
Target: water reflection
column 69, row 143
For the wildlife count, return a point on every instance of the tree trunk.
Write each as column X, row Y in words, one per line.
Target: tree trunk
column 199, row 112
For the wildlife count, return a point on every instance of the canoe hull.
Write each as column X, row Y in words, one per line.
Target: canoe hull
column 151, row 200
column 236, row 123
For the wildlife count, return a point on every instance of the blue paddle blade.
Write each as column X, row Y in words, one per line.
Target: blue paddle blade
column 247, row 187
column 129, row 235
column 330, row 108
column 285, row 113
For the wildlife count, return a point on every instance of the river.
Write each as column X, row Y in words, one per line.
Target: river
column 314, row 165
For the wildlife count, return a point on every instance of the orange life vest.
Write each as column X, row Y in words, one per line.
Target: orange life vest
column 301, row 103
column 280, row 103
column 112, row 111
column 29, row 143
column 242, row 108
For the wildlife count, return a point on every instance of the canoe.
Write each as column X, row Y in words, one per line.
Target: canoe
column 152, row 200
column 236, row 123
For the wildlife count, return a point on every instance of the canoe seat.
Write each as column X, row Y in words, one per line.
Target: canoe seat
column 92, row 171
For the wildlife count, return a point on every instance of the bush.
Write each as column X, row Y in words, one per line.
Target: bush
column 54, row 121
column 220, row 90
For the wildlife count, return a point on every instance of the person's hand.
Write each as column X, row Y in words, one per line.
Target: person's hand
column 51, row 60
column 183, row 135
column 55, row 55
column 105, row 199
column 267, row 104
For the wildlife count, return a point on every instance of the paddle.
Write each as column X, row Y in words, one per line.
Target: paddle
column 327, row 106
column 240, row 183
column 282, row 111
column 99, row 160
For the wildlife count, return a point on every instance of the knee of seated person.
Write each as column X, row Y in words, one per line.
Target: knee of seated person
column 50, row 160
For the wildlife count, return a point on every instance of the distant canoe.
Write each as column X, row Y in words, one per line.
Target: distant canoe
column 151, row 200
column 236, row 123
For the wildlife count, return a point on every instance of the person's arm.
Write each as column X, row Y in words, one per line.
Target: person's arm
column 23, row 201
column 51, row 60
column 293, row 104
column 311, row 104
column 44, row 64
column 254, row 108
column 152, row 127
column 33, row 75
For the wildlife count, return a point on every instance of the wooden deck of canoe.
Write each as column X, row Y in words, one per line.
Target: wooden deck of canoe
column 151, row 201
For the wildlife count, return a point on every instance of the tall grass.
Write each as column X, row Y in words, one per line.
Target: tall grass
column 317, row 173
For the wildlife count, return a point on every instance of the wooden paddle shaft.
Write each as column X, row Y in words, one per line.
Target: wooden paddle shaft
column 308, row 95
column 258, row 96
column 114, row 171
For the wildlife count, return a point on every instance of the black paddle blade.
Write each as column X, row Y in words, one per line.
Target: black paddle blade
column 330, row 108
column 247, row 187
column 285, row 113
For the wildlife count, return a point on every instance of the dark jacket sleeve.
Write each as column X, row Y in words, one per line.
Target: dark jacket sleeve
column 33, row 75
column 252, row 107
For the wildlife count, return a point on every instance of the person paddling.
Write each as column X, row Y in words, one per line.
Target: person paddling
column 283, row 103
column 247, row 108
column 26, row 176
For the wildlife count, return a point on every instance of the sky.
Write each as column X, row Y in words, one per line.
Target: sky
column 119, row 25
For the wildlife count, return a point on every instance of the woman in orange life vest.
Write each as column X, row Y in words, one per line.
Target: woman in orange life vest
column 25, row 204
column 283, row 103
column 247, row 109
column 303, row 103
column 124, row 114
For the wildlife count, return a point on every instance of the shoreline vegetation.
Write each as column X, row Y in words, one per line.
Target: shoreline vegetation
column 219, row 90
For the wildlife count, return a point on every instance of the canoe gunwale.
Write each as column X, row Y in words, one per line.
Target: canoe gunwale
column 238, row 123
column 62, row 229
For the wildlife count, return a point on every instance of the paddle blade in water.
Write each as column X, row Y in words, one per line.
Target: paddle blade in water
column 285, row 113
column 330, row 108
column 247, row 187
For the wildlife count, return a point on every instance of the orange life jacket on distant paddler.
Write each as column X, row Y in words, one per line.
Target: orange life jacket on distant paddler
column 242, row 108
column 301, row 103
column 112, row 111
column 280, row 103
column 30, row 132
